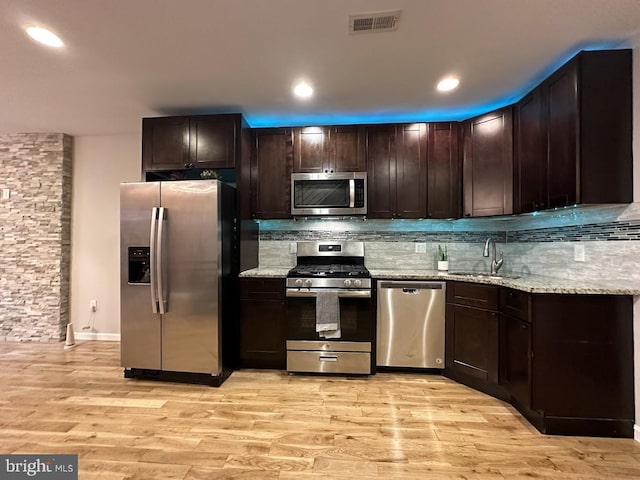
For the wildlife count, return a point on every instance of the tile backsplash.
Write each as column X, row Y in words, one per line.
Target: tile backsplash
column 541, row 243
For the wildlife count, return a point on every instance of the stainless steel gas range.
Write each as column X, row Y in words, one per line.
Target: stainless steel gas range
column 330, row 315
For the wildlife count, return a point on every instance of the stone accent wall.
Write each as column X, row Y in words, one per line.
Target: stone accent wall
column 35, row 236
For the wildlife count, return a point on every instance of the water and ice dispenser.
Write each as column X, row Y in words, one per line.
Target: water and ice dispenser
column 139, row 265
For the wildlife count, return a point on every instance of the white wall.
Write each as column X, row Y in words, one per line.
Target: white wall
column 101, row 163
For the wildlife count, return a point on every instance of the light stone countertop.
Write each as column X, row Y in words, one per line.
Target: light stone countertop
column 524, row 282
column 266, row 272
column 517, row 281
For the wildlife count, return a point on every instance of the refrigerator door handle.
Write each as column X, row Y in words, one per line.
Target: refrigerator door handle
column 162, row 301
column 152, row 253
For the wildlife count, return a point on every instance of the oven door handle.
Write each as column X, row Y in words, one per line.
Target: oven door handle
column 341, row 293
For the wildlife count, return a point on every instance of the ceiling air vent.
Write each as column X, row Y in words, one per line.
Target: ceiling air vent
column 374, row 22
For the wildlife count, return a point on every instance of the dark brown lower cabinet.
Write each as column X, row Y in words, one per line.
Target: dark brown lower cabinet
column 262, row 323
column 582, row 365
column 564, row 361
column 515, row 359
column 472, row 336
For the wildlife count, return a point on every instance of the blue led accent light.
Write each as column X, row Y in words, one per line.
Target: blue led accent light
column 428, row 115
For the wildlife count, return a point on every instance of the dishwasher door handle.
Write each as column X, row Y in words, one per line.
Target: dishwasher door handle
column 411, row 285
column 410, row 291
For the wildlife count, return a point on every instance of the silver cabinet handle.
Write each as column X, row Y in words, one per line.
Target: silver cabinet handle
column 162, row 303
column 152, row 251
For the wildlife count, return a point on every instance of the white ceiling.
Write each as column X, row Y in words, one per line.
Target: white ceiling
column 125, row 59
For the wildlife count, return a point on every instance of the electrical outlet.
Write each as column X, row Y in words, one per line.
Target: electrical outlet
column 6, row 194
column 293, row 248
column 421, row 248
column 578, row 253
column 93, row 305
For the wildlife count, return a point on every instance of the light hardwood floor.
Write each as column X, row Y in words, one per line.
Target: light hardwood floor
column 269, row 425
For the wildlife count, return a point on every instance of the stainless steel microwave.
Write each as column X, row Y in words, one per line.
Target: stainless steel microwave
column 329, row 193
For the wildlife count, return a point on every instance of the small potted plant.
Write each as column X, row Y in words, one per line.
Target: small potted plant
column 443, row 258
column 210, row 175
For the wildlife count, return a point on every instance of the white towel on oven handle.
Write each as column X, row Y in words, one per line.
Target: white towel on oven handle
column 328, row 314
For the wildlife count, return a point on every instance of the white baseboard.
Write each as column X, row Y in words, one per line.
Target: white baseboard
column 107, row 337
column 636, row 433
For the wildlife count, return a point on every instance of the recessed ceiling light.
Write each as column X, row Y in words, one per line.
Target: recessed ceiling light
column 447, row 84
column 44, row 36
column 303, row 90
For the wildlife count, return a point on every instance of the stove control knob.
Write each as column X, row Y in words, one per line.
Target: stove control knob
column 308, row 283
column 298, row 282
column 347, row 283
column 357, row 283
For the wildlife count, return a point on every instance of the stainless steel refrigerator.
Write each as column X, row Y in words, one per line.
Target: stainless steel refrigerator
column 177, row 275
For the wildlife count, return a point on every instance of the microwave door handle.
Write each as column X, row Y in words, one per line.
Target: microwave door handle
column 352, row 193
column 152, row 259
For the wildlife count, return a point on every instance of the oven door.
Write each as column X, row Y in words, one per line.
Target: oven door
column 356, row 315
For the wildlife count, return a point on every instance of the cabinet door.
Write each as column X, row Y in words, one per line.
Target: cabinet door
column 262, row 323
column 472, row 342
column 515, row 359
column 347, row 149
column 271, row 173
column 583, row 356
column 443, row 191
column 488, row 164
column 262, row 333
column 165, row 143
column 561, row 90
column 381, row 171
column 530, row 155
column 411, row 171
column 310, row 150
column 213, row 140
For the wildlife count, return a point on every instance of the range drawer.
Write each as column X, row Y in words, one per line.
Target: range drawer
column 314, row 361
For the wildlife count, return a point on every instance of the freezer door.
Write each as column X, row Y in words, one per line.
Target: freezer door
column 139, row 326
column 190, row 275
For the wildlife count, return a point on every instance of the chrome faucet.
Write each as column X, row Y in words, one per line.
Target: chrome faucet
column 495, row 263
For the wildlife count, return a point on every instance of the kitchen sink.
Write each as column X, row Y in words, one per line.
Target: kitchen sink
column 506, row 276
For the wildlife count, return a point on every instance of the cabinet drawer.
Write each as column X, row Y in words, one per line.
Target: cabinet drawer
column 473, row 295
column 516, row 303
column 269, row 288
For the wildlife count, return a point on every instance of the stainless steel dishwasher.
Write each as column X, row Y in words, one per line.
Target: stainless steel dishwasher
column 410, row 324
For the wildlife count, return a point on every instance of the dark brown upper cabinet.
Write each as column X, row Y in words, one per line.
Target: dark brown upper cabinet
column 488, row 164
column 202, row 141
column 529, row 149
column 443, row 171
column 572, row 135
column 329, row 149
column 397, row 171
column 271, row 165
column 165, row 143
